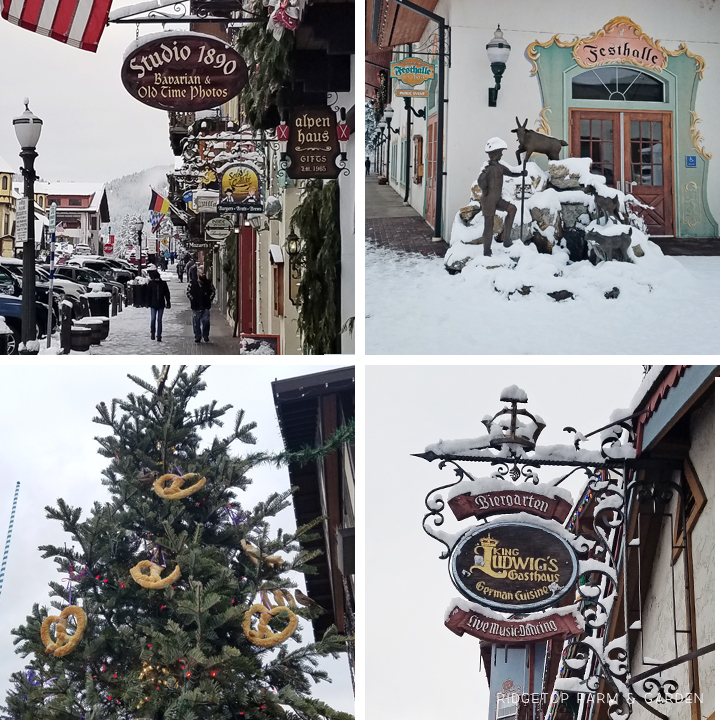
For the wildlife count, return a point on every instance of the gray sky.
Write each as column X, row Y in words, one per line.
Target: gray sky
column 93, row 130
column 415, row 667
column 47, row 442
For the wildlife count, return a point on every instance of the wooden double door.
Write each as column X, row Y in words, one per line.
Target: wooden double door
column 633, row 150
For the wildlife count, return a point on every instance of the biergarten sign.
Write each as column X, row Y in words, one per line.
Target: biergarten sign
column 183, row 71
column 241, row 189
column 492, row 502
column 313, row 145
column 512, row 566
column 411, row 72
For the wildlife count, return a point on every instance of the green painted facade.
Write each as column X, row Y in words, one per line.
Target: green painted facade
column 556, row 68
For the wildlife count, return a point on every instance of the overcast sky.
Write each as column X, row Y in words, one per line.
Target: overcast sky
column 93, row 130
column 415, row 667
column 47, row 442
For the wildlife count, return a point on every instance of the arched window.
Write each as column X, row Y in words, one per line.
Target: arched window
column 617, row 83
column 4, row 182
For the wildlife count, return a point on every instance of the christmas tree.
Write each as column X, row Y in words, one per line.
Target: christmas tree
column 176, row 600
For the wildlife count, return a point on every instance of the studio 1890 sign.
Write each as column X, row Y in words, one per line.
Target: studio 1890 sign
column 184, row 72
column 513, row 566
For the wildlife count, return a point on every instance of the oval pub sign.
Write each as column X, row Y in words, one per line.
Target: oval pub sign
column 184, row 72
column 513, row 566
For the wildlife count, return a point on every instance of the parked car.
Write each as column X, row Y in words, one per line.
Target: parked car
column 42, row 288
column 11, row 310
column 85, row 276
column 103, row 267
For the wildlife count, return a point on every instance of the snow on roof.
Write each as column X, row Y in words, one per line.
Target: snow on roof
column 75, row 188
column 5, row 166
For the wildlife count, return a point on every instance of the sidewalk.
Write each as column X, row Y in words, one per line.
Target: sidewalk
column 130, row 330
column 392, row 225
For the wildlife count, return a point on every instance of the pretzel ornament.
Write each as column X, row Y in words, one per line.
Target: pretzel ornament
column 64, row 643
column 264, row 636
column 153, row 579
column 173, row 491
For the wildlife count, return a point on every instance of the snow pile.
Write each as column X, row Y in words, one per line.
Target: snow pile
column 522, row 270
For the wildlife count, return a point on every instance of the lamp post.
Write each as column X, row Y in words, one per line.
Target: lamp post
column 292, row 246
column 418, row 114
column 388, row 119
column 138, row 226
column 381, row 127
column 498, row 50
column 27, row 130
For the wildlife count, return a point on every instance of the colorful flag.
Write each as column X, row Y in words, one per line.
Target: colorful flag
column 79, row 23
column 158, row 209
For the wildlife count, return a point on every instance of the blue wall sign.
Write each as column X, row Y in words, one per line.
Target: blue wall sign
column 691, row 161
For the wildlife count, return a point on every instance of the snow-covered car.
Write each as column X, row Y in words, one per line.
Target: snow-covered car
column 14, row 268
column 85, row 276
column 7, row 338
column 103, row 267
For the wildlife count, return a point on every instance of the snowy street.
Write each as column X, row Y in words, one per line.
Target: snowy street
column 130, row 330
column 413, row 306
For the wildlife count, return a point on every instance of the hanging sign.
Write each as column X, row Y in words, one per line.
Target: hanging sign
column 21, row 221
column 183, row 71
column 620, row 41
column 500, row 501
column 241, row 190
column 219, row 228
column 411, row 72
column 510, row 566
column 562, row 623
column 204, row 201
column 313, row 144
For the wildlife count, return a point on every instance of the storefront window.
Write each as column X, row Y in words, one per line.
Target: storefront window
column 615, row 83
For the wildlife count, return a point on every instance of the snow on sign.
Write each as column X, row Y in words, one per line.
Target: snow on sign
column 512, row 566
column 183, row 71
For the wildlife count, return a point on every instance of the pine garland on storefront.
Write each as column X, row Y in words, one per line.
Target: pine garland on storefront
column 381, row 97
column 269, row 67
column 317, row 220
column 230, row 268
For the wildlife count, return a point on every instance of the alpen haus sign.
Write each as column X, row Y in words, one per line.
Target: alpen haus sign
column 475, row 623
column 512, row 567
column 313, row 144
column 184, row 72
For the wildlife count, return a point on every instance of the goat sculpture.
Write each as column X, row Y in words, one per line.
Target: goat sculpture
column 530, row 142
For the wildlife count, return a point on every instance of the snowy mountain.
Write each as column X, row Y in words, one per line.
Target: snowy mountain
column 130, row 194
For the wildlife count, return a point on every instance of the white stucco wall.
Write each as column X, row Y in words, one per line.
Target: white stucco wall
column 469, row 120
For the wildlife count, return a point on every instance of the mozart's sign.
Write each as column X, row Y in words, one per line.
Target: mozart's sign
column 313, row 144
column 620, row 41
column 411, row 72
column 553, row 624
column 184, row 72
column 510, row 566
column 490, row 503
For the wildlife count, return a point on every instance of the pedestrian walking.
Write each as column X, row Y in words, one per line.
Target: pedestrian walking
column 158, row 299
column 201, row 293
column 180, row 270
column 367, row 165
column 191, row 269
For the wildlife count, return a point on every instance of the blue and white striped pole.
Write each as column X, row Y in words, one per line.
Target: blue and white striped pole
column 52, row 271
column 7, row 542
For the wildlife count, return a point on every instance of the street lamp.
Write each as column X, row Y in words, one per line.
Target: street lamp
column 381, row 127
column 388, row 119
column 138, row 226
column 27, row 130
column 498, row 50
column 292, row 246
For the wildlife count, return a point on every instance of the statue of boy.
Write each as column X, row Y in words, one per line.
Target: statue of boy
column 490, row 182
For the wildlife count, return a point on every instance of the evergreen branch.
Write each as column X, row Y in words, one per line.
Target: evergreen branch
column 342, row 435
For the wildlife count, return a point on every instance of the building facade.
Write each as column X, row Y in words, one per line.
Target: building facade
column 632, row 86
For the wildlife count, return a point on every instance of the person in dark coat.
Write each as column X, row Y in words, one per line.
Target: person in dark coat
column 367, row 165
column 201, row 293
column 180, row 269
column 159, row 299
column 191, row 269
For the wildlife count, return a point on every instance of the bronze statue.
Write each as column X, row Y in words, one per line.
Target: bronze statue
column 490, row 183
column 530, row 142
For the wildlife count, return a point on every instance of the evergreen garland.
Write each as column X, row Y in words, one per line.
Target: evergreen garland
column 317, row 220
column 230, row 268
column 344, row 434
column 268, row 62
